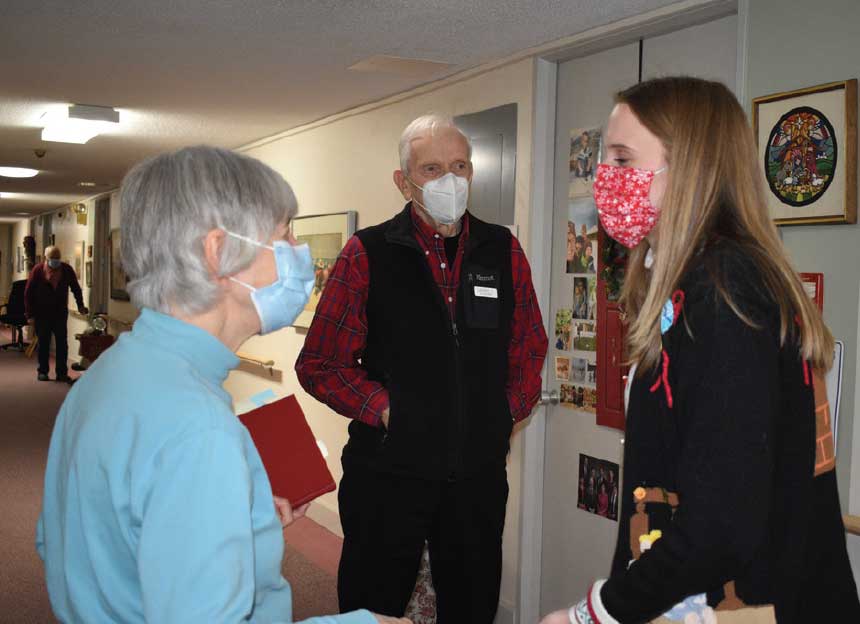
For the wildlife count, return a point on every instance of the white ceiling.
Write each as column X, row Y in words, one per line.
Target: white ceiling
column 227, row 72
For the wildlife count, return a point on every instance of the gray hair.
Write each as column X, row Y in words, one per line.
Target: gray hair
column 169, row 203
column 50, row 249
column 420, row 126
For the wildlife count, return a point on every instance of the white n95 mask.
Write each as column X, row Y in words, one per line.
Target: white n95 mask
column 445, row 198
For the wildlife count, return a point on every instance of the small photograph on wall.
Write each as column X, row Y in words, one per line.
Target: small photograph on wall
column 584, row 298
column 598, row 486
column 326, row 236
column 562, row 369
column 89, row 273
column 563, row 319
column 591, row 373
column 584, row 336
column 579, row 370
column 807, row 143
column 584, row 156
column 581, row 256
column 578, row 398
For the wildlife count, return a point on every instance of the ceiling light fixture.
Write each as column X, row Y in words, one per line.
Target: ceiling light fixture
column 86, row 183
column 17, row 172
column 77, row 123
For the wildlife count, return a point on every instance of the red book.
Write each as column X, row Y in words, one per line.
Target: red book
column 295, row 465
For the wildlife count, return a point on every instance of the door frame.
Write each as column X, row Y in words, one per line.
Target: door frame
column 651, row 24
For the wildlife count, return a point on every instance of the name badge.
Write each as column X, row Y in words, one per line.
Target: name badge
column 489, row 293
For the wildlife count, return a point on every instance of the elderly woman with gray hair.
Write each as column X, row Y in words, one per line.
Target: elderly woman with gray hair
column 157, row 507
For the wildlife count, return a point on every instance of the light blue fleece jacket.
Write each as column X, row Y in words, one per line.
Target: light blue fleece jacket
column 157, row 507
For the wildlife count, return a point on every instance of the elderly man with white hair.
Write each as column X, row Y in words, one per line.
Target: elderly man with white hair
column 157, row 507
column 46, row 303
column 428, row 335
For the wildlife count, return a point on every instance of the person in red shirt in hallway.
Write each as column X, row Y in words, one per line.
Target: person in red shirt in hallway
column 429, row 336
column 46, row 303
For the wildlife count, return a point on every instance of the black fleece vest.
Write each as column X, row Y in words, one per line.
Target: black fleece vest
column 449, row 414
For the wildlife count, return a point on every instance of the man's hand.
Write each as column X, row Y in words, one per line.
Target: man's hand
column 385, row 619
column 385, row 415
column 84, row 310
column 287, row 514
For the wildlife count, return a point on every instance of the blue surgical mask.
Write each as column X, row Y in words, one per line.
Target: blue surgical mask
column 54, row 263
column 279, row 303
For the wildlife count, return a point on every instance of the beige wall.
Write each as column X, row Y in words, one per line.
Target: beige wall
column 7, row 259
column 19, row 230
column 346, row 164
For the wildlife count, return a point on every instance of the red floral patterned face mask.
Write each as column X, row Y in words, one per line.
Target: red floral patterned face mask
column 621, row 195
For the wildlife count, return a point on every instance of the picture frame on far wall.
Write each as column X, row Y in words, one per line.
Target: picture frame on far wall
column 89, row 273
column 326, row 235
column 807, row 148
column 118, row 278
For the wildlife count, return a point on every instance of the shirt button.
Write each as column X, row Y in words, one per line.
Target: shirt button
column 443, row 265
column 426, row 253
column 435, row 236
column 450, row 299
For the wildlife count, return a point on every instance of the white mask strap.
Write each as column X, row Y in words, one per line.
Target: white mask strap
column 248, row 240
column 246, row 285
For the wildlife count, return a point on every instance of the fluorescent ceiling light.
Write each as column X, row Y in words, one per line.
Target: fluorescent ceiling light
column 17, row 172
column 77, row 123
column 86, row 183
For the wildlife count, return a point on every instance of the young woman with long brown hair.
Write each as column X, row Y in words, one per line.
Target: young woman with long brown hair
column 729, row 502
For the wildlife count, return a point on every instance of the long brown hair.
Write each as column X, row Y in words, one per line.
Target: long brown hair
column 712, row 186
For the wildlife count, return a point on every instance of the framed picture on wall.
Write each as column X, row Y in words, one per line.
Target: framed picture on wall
column 118, row 278
column 326, row 235
column 807, row 146
column 19, row 264
column 89, row 273
column 79, row 258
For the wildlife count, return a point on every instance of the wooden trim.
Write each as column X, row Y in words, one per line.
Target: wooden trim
column 852, row 524
column 851, row 151
column 259, row 367
column 784, row 95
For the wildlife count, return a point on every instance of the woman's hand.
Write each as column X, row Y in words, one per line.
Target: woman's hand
column 285, row 511
column 556, row 617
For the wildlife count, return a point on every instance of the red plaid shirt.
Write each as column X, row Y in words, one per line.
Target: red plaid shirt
column 328, row 366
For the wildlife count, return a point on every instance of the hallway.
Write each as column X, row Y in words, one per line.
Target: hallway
column 27, row 411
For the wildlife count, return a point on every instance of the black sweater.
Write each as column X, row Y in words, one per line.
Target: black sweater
column 737, row 446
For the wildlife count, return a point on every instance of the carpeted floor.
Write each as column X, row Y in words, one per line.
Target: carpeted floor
column 27, row 411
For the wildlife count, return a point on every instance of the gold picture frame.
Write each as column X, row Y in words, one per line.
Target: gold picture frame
column 326, row 235
column 807, row 148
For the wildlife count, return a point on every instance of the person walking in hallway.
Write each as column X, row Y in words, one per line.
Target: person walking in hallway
column 428, row 335
column 46, row 303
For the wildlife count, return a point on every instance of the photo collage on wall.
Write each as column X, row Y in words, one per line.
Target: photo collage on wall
column 576, row 326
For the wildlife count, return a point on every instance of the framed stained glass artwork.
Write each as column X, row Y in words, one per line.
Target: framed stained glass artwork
column 807, row 147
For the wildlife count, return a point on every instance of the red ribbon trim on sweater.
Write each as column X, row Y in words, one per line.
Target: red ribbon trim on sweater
column 663, row 379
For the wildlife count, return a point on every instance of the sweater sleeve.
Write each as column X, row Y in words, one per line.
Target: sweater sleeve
column 726, row 379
